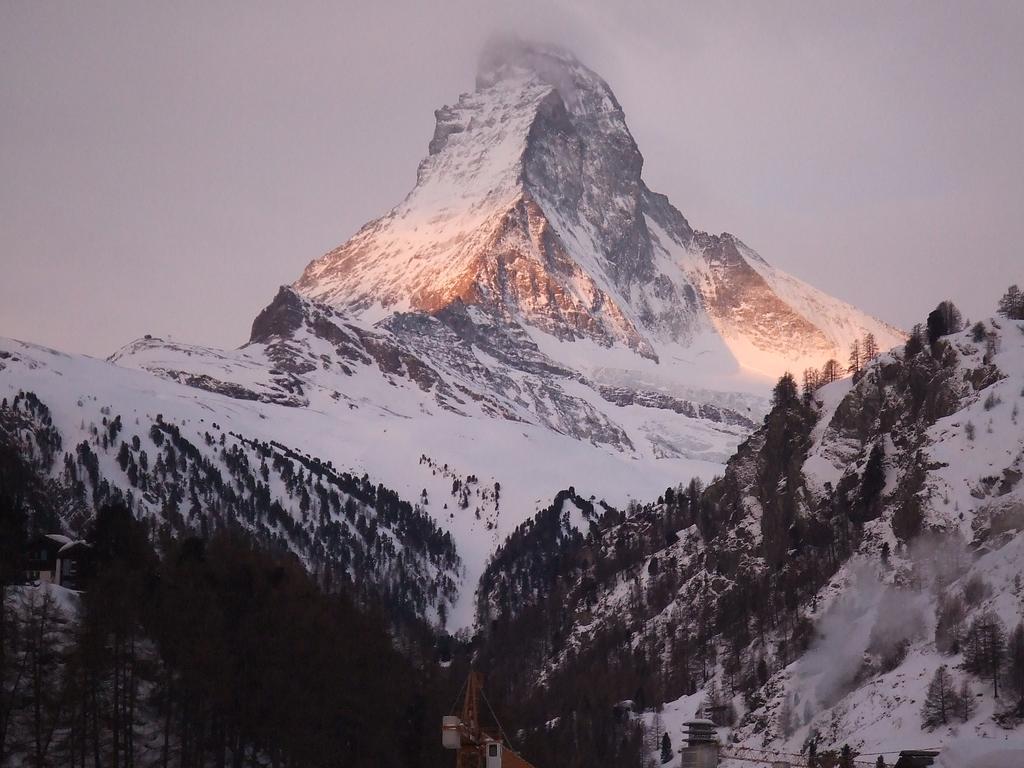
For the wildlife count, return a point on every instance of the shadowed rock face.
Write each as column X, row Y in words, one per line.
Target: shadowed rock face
column 625, row 396
column 282, row 317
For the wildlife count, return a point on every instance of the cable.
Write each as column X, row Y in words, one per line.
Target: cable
column 458, row 696
column 497, row 722
column 773, row 755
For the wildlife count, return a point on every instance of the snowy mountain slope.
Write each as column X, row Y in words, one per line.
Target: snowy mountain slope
column 804, row 590
column 413, row 379
column 367, row 421
column 191, row 462
column 531, row 208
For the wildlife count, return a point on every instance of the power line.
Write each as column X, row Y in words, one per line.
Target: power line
column 769, row 756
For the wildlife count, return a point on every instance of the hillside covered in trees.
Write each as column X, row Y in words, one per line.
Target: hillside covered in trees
column 203, row 652
column 865, row 541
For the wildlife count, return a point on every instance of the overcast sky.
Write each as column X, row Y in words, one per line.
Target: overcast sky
column 165, row 166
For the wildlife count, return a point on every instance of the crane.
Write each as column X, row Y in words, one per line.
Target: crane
column 477, row 746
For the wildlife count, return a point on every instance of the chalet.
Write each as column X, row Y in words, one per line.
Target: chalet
column 56, row 559
column 73, row 565
column 41, row 557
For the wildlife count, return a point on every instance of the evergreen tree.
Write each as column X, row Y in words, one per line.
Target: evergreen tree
column 965, row 704
column 869, row 349
column 949, row 620
column 939, row 701
column 1011, row 305
column 1015, row 664
column 943, row 320
column 123, row 457
column 712, row 707
column 785, row 393
column 985, row 648
column 831, row 371
column 16, row 482
column 915, row 342
column 812, row 380
column 666, row 749
column 873, row 481
column 855, row 359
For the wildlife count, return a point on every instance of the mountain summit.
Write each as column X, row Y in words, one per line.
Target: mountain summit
column 531, row 208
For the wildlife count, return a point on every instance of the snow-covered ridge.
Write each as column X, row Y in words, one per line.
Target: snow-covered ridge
column 410, row 402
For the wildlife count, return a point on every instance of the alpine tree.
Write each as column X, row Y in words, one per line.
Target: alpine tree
column 831, row 371
column 812, row 380
column 1011, row 305
column 873, row 482
column 943, row 320
column 965, row 704
column 940, row 700
column 915, row 342
column 949, row 621
column 869, row 349
column 666, row 749
column 1015, row 664
column 985, row 648
column 785, row 393
column 855, row 358
column 16, row 492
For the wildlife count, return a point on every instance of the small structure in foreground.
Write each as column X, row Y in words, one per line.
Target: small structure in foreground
column 56, row 559
column 701, row 750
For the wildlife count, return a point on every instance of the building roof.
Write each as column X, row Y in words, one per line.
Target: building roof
column 74, row 548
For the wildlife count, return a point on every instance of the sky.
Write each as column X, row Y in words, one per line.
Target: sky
column 164, row 167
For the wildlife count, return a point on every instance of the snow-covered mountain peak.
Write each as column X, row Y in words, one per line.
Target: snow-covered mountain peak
column 580, row 88
column 531, row 208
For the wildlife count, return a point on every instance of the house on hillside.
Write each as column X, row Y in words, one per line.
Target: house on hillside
column 74, row 563
column 56, row 559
